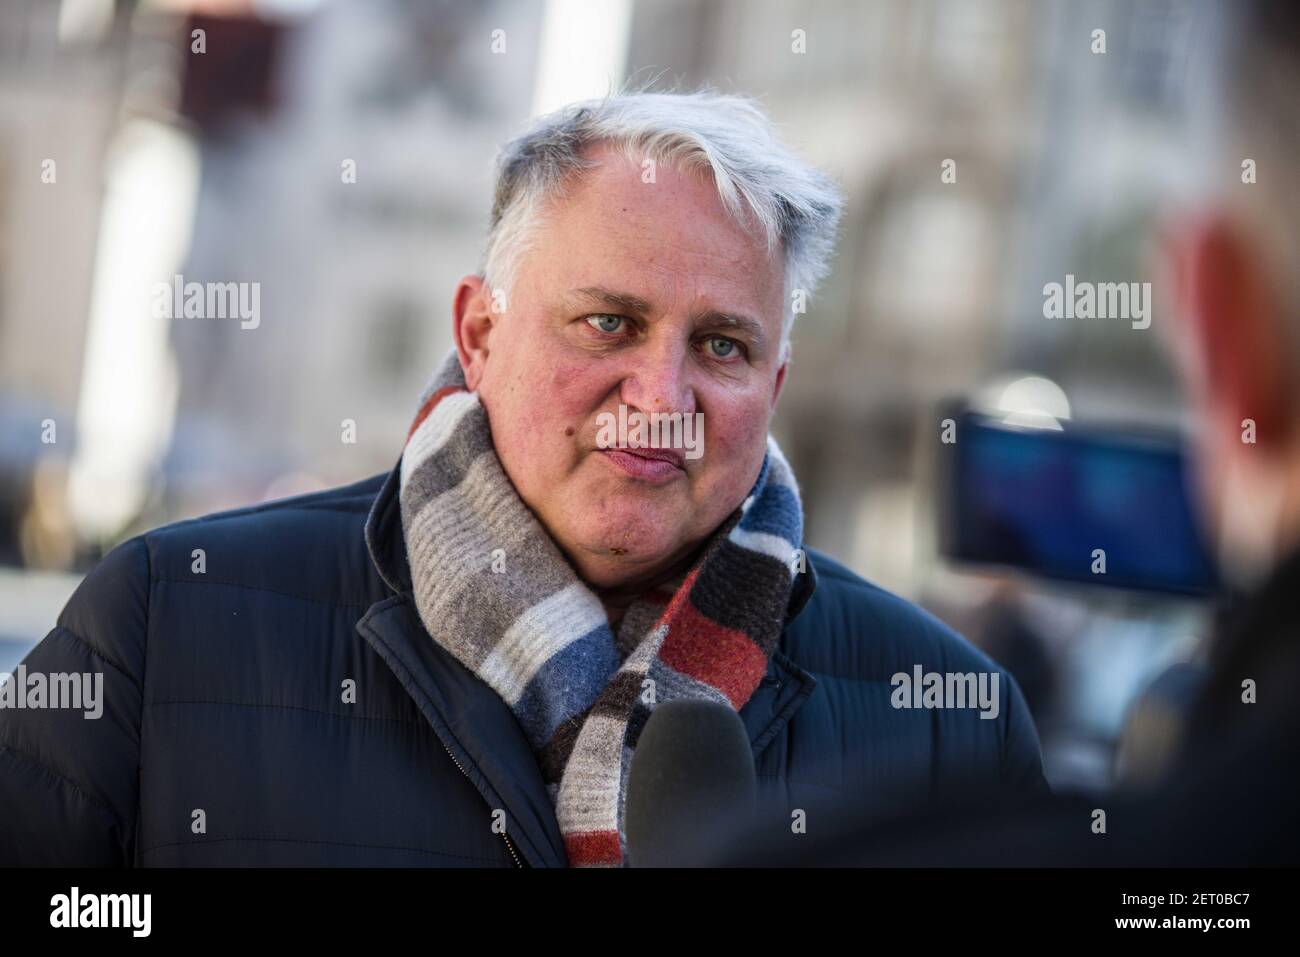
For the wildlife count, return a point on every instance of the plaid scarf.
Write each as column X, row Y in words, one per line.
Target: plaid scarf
column 493, row 588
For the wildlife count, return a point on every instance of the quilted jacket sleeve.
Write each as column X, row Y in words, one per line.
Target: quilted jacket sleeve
column 1022, row 762
column 69, row 776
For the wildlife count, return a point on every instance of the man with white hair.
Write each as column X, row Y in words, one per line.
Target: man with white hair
column 452, row 664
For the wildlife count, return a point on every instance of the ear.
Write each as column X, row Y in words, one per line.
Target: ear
column 472, row 321
column 1228, row 330
column 780, row 381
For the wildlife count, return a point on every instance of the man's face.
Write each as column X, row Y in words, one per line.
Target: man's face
column 642, row 294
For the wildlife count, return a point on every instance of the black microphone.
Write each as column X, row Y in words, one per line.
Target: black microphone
column 692, row 778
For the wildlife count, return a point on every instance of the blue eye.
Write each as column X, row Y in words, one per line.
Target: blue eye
column 727, row 350
column 600, row 322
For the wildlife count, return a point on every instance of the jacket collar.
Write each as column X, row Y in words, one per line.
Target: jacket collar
column 384, row 538
column 477, row 727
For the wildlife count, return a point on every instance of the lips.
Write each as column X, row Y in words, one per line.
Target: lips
column 656, row 466
column 663, row 455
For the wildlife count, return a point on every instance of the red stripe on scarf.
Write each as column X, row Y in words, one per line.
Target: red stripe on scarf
column 593, row 849
column 719, row 656
column 430, row 405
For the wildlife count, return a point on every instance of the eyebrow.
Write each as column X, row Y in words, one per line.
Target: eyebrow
column 627, row 302
column 615, row 300
column 726, row 320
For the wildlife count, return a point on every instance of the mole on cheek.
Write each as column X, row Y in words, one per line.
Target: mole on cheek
column 568, row 430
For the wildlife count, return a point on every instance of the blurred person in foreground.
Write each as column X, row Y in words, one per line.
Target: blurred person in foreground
column 451, row 664
column 1231, row 795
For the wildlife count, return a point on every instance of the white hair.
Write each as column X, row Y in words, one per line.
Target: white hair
column 729, row 137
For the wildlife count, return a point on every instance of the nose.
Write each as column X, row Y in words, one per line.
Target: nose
column 658, row 380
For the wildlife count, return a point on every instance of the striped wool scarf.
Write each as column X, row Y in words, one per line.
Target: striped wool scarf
column 492, row 588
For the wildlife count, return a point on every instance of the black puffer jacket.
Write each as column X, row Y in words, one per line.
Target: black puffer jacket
column 226, row 739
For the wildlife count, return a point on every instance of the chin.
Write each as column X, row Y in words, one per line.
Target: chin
column 630, row 536
column 637, row 541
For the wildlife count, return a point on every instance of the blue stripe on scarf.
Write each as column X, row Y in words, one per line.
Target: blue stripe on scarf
column 567, row 684
column 776, row 512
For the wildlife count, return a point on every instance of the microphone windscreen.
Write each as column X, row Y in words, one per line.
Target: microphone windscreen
column 692, row 778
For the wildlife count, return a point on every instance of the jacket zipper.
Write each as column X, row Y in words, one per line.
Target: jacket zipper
column 509, row 845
